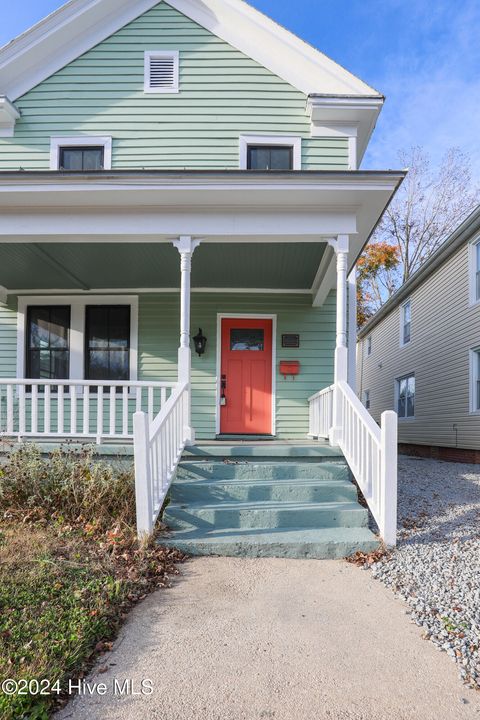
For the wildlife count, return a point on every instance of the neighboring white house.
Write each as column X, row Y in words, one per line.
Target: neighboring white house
column 420, row 354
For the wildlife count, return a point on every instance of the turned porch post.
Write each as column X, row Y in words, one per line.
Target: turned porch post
column 341, row 247
column 186, row 247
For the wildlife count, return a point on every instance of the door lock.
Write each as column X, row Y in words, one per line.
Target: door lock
column 223, row 386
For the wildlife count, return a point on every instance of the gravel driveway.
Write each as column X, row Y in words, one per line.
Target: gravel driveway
column 436, row 566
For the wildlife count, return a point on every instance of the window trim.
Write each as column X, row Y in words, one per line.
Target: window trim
column 153, row 54
column 56, row 143
column 472, row 270
column 404, row 343
column 474, row 378
column 77, row 328
column 295, row 142
column 405, row 418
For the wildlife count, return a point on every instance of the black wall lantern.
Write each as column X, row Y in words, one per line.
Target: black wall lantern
column 200, row 343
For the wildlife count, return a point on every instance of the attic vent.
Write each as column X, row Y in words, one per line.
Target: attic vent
column 161, row 71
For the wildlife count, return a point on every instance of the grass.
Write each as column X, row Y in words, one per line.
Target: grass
column 70, row 570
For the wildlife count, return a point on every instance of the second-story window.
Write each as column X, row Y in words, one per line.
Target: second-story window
column 269, row 157
column 406, row 324
column 81, row 159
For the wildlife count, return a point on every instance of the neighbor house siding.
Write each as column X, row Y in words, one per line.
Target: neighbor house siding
column 223, row 94
column 444, row 330
column 158, row 336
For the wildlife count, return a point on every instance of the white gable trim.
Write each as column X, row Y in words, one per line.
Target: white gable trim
column 81, row 24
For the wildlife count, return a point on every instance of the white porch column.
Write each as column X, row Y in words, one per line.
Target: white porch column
column 341, row 247
column 186, row 247
column 352, row 330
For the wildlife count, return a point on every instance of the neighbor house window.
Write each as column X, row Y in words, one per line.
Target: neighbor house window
column 107, row 342
column 475, row 380
column 369, row 345
column 81, row 154
column 474, row 254
column 405, row 395
column 81, row 159
column 275, row 152
column 406, row 325
column 366, row 399
column 48, row 342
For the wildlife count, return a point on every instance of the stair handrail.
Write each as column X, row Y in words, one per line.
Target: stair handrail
column 158, row 447
column 372, row 455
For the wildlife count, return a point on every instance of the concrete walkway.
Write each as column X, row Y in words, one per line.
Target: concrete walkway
column 283, row 639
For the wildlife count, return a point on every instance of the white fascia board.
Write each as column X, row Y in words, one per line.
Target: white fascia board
column 81, row 24
column 347, row 116
column 8, row 117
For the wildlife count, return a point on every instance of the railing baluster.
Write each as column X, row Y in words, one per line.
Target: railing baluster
column 125, row 411
column 113, row 410
column 99, row 414
column 21, row 410
column 86, row 410
column 150, row 404
column 73, row 410
column 34, row 409
column 10, row 409
column 46, row 409
column 60, row 410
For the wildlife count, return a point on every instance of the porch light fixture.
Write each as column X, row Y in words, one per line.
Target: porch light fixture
column 200, row 343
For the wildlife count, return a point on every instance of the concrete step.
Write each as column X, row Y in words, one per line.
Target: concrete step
column 244, row 470
column 268, row 514
column 264, row 451
column 247, row 490
column 327, row 543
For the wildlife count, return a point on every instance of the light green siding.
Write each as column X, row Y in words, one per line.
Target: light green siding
column 159, row 337
column 223, row 94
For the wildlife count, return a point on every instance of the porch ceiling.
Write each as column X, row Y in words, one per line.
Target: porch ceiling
column 63, row 266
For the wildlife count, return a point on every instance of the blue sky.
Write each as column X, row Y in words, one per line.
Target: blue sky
column 424, row 55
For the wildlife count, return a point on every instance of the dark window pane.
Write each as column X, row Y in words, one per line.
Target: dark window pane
column 81, row 158
column 107, row 343
column 247, row 339
column 48, row 353
column 264, row 157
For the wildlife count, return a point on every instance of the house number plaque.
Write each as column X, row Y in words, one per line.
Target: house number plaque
column 290, row 341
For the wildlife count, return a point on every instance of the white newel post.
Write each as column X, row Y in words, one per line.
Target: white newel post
column 352, row 330
column 341, row 247
column 388, row 478
column 186, row 247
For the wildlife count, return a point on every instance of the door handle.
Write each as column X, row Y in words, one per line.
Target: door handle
column 223, row 385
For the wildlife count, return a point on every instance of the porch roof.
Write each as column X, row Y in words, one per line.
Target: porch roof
column 57, row 229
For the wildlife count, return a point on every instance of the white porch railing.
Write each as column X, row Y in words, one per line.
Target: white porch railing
column 77, row 409
column 321, row 413
column 158, row 447
column 370, row 450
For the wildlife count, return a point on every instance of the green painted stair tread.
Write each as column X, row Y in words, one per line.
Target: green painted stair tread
column 282, row 514
column 322, row 543
column 245, row 471
column 266, row 450
column 211, row 491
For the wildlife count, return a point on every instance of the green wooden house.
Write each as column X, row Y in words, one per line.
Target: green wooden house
column 181, row 210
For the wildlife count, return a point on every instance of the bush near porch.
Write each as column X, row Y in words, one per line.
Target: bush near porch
column 70, row 569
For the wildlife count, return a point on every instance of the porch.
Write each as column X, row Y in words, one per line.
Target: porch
column 188, row 249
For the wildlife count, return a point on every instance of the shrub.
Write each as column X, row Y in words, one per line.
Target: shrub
column 70, row 486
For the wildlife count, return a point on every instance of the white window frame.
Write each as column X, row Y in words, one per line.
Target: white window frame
column 474, row 379
column 405, row 418
column 368, row 345
column 153, row 54
column 367, row 399
column 473, row 269
column 57, row 143
column 407, row 303
column 295, row 142
column 77, row 328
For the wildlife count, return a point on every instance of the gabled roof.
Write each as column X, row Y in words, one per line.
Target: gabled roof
column 79, row 25
column 469, row 227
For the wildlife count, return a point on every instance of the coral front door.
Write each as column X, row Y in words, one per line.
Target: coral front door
column 246, row 377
